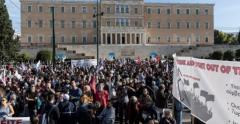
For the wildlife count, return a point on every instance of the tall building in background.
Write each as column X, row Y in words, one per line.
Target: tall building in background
column 123, row 22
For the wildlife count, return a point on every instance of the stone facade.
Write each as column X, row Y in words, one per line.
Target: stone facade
column 123, row 22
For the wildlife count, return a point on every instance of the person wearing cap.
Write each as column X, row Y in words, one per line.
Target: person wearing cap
column 6, row 110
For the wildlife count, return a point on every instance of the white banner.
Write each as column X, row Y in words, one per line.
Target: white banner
column 83, row 63
column 209, row 88
column 15, row 120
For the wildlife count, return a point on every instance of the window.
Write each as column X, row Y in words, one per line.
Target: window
column 40, row 23
column 168, row 11
column 84, row 24
column 62, row 39
column 206, row 25
column 62, row 24
column 73, row 24
column 197, row 11
column 94, row 24
column 149, row 25
column 50, row 23
column 159, row 11
column 178, row 11
column 122, row 22
column 108, row 23
column 206, row 11
column 127, row 9
column 40, row 9
column 29, row 39
column 40, row 38
column 188, row 25
column 197, row 25
column 136, row 23
column 73, row 9
column 149, row 10
column 127, row 23
column 29, row 8
column 169, row 25
column 94, row 10
column 188, row 11
column 117, row 9
column 94, row 39
column 178, row 25
column 122, row 9
column 178, row 39
column 84, row 9
column 189, row 39
column 29, row 24
column 62, row 9
column 169, row 39
column 159, row 25
column 73, row 39
column 136, row 10
column 84, row 40
column 159, row 38
column 206, row 39
column 108, row 10
column 197, row 39
column 118, row 22
column 149, row 39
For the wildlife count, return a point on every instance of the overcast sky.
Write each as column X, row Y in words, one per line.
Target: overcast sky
column 226, row 13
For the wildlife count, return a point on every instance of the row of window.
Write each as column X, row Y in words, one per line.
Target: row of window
column 62, row 23
column 179, row 39
column 179, row 25
column 124, row 9
column 84, row 39
column 178, row 11
column 62, row 39
column 61, row 9
column 119, row 22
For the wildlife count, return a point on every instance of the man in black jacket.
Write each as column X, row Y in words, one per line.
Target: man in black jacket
column 52, row 111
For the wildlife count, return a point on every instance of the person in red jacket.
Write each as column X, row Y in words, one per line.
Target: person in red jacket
column 102, row 96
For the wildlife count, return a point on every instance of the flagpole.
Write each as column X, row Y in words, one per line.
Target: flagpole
column 53, row 36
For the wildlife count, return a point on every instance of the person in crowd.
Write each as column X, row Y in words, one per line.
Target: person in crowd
column 67, row 112
column 6, row 109
column 75, row 93
column 31, row 99
column 167, row 117
column 133, row 110
column 107, row 116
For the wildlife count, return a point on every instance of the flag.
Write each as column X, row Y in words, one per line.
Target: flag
column 18, row 76
column 174, row 55
column 37, row 66
column 23, row 67
column 92, row 84
column 138, row 61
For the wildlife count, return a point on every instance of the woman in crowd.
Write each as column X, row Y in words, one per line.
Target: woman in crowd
column 6, row 109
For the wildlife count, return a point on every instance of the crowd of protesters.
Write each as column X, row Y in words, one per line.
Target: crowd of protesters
column 123, row 90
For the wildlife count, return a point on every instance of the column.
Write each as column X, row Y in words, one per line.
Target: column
column 115, row 38
column 111, row 42
column 130, row 38
column 101, row 39
column 140, row 38
column 120, row 38
column 135, row 40
column 125, row 38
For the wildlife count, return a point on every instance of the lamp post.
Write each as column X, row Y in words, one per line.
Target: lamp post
column 53, row 38
column 97, row 15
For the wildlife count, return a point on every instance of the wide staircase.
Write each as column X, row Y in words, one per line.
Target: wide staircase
column 73, row 53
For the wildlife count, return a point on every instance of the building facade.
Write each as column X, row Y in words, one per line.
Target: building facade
column 123, row 22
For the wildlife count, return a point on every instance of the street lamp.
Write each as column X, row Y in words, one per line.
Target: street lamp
column 53, row 36
column 97, row 15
